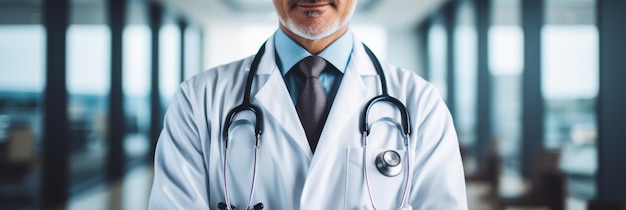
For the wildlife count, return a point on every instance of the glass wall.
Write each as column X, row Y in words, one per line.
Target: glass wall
column 136, row 82
column 506, row 63
column 466, row 74
column 570, row 72
column 88, row 85
column 193, row 48
column 437, row 44
column 169, row 58
column 22, row 76
column 88, row 68
column 570, row 89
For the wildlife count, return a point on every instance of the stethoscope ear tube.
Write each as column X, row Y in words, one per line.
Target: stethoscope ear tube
column 246, row 104
column 404, row 114
column 258, row 124
column 406, row 126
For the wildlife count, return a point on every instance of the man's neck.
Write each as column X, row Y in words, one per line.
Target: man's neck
column 315, row 46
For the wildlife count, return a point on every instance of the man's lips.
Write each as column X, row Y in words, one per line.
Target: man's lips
column 312, row 5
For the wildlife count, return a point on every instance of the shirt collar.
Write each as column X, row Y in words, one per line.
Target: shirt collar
column 290, row 52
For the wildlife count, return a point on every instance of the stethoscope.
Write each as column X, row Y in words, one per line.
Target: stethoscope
column 388, row 163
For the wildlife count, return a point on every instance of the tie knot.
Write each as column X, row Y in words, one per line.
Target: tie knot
column 312, row 66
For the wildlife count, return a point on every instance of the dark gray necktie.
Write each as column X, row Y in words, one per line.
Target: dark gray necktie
column 311, row 106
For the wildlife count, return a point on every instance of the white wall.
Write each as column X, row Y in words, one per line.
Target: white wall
column 403, row 49
column 224, row 42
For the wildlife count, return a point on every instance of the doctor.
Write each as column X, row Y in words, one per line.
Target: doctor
column 308, row 88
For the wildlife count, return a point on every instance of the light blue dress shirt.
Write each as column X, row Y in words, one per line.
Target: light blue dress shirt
column 289, row 53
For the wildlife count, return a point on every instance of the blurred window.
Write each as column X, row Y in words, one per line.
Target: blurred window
column 136, row 82
column 22, row 67
column 169, row 60
column 506, row 56
column 506, row 64
column 466, row 73
column 22, row 58
column 193, row 50
column 437, row 56
column 22, row 81
column 570, row 72
column 88, row 84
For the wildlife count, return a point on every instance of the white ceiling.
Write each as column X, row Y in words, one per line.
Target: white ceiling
column 389, row 13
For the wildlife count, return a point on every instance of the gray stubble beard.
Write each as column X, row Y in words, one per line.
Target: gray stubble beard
column 316, row 32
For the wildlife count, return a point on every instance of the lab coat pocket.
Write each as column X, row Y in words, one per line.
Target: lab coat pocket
column 385, row 191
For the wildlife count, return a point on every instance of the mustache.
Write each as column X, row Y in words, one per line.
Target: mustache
column 293, row 3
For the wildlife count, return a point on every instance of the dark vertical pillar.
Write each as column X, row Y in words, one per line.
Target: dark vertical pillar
column 115, row 150
column 155, row 97
column 484, row 104
column 532, row 99
column 611, row 176
column 182, row 25
column 55, row 132
column 449, row 22
column 422, row 31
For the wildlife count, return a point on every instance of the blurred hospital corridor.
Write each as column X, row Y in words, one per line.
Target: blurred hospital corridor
column 535, row 89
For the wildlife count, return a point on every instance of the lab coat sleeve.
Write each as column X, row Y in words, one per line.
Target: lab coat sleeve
column 440, row 182
column 180, row 178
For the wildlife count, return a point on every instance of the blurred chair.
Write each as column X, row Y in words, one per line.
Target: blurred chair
column 490, row 173
column 546, row 187
column 17, row 161
column 21, row 147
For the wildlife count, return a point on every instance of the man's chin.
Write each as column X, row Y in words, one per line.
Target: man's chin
column 310, row 32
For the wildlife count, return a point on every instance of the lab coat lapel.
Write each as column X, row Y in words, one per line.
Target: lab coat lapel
column 352, row 95
column 274, row 98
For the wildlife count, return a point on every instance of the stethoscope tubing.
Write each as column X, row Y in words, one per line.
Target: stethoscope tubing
column 256, row 155
column 366, row 130
column 246, row 105
column 258, row 129
column 408, row 171
column 254, row 170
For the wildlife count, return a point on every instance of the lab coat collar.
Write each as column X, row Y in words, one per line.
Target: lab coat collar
column 358, row 53
column 274, row 97
column 351, row 96
column 290, row 52
column 360, row 60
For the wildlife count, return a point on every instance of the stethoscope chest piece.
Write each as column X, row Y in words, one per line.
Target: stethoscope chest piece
column 389, row 163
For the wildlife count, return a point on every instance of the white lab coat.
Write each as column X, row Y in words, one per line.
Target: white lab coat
column 188, row 171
